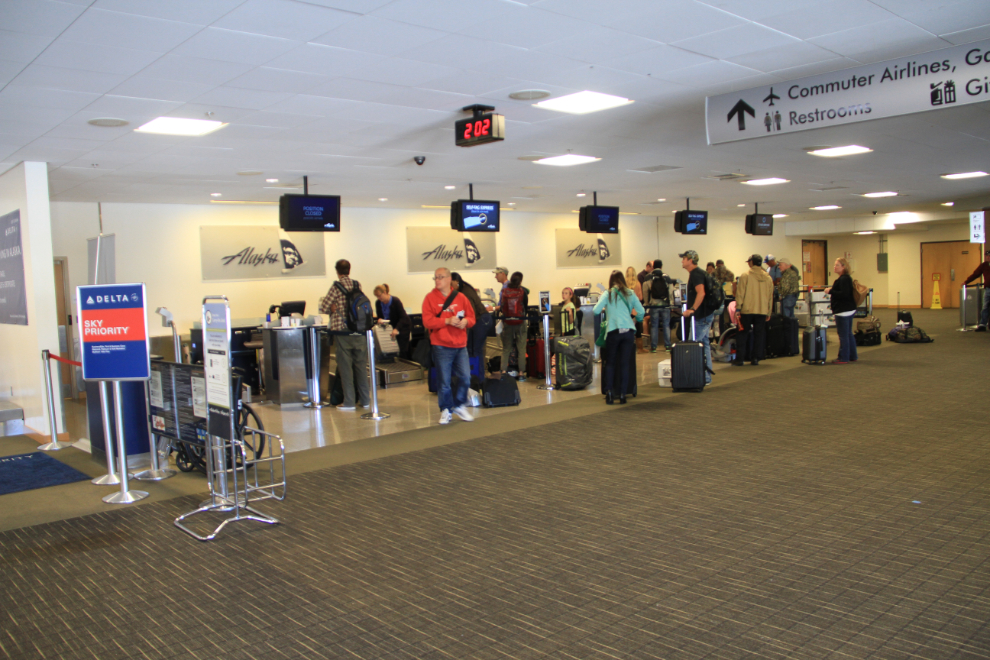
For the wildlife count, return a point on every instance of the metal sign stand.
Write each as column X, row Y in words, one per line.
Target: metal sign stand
column 110, row 478
column 374, row 414
column 962, row 310
column 125, row 496
column 548, row 384
column 155, row 472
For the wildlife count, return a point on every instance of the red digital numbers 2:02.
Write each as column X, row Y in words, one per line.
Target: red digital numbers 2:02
column 479, row 128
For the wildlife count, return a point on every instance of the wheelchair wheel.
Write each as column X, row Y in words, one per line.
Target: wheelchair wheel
column 254, row 445
column 182, row 460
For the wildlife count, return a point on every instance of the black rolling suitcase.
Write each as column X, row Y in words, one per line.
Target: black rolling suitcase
column 501, row 392
column 814, row 345
column 792, row 336
column 775, row 340
column 687, row 362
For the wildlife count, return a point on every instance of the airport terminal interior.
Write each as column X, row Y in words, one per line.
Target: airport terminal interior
column 801, row 507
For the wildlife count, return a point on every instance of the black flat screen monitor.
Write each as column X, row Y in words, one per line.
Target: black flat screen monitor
column 599, row 219
column 292, row 307
column 691, row 222
column 474, row 215
column 759, row 224
column 309, row 212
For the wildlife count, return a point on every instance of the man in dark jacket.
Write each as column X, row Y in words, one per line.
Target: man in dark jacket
column 984, row 270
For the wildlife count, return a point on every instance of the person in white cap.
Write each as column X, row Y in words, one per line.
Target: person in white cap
column 773, row 269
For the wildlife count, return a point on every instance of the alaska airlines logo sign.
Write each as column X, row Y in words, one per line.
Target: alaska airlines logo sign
column 443, row 253
column 256, row 252
column 599, row 251
column 248, row 257
column 430, row 247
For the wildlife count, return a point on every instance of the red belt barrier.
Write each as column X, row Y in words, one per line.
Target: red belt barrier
column 61, row 359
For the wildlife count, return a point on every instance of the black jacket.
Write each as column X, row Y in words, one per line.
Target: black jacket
column 842, row 295
column 398, row 317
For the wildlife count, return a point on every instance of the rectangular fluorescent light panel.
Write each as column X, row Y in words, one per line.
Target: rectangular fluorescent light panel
column 566, row 160
column 180, row 126
column 880, row 194
column 582, row 103
column 848, row 150
column 780, row 215
column 964, row 175
column 830, row 207
column 765, row 182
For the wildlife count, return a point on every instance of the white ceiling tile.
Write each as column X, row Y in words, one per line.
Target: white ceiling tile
column 596, row 44
column 101, row 58
column 354, row 90
column 128, row 31
column 794, row 54
column 37, row 97
column 601, row 79
column 968, row 36
column 451, row 48
column 380, row 112
column 945, row 17
column 710, row 73
column 8, row 70
column 159, row 88
column 656, row 61
column 536, row 66
column 213, row 111
column 446, row 15
column 757, row 10
column 274, row 119
column 595, row 11
column 805, row 70
column 39, row 17
column 53, row 77
column 135, row 110
column 325, row 60
column 195, row 70
column 397, row 71
column 77, row 127
column 527, row 27
column 674, row 20
column 828, row 17
column 278, row 80
column 735, row 41
column 284, row 18
column 379, row 35
column 196, row 12
column 471, row 84
column 429, row 99
column 879, row 41
column 353, row 6
column 231, row 46
column 19, row 47
column 233, row 97
column 307, row 104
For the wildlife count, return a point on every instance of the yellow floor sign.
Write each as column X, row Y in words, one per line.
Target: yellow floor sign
column 936, row 295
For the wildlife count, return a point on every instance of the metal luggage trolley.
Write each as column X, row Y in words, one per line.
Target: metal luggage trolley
column 239, row 470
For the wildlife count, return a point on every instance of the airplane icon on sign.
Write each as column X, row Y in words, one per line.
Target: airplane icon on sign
column 771, row 97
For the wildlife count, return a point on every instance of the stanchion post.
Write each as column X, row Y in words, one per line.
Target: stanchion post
column 548, row 384
column 374, row 414
column 155, row 472
column 314, row 363
column 125, row 496
column 55, row 444
column 962, row 311
column 110, row 478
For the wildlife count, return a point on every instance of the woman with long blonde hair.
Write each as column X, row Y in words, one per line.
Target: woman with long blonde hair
column 844, row 309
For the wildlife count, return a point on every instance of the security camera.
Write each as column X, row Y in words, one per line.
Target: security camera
column 419, row 159
column 874, row 213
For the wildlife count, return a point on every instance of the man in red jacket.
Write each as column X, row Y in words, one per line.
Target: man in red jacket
column 447, row 316
column 984, row 270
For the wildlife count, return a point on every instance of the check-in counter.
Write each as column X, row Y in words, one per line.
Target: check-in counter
column 285, row 365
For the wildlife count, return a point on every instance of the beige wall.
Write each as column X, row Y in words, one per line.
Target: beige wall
column 25, row 187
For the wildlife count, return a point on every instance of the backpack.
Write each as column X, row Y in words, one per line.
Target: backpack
column 659, row 291
column 358, row 315
column 513, row 310
column 909, row 335
column 714, row 295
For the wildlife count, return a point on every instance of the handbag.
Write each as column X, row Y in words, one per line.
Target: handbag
column 603, row 328
column 860, row 292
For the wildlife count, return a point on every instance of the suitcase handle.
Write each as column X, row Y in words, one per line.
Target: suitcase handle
column 683, row 334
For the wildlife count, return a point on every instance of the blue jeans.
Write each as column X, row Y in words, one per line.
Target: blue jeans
column 659, row 318
column 619, row 348
column 448, row 360
column 985, row 314
column 787, row 305
column 702, row 326
column 847, row 342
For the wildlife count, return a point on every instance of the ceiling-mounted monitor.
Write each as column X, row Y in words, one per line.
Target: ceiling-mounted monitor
column 691, row 222
column 309, row 212
column 599, row 219
column 474, row 215
column 759, row 224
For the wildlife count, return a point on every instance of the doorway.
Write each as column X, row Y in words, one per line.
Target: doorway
column 952, row 261
column 814, row 257
column 65, row 339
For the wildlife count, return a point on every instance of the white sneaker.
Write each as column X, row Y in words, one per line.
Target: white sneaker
column 445, row 417
column 345, row 407
column 463, row 413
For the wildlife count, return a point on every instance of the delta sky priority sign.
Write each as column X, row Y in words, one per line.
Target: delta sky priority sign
column 945, row 78
column 113, row 326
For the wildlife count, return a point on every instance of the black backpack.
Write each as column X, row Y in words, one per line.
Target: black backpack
column 659, row 291
column 714, row 295
column 358, row 314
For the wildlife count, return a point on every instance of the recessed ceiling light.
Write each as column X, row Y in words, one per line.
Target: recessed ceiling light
column 584, row 102
column 829, row 207
column 948, row 203
column 383, row 199
column 180, row 126
column 848, row 150
column 864, row 233
column 780, row 215
column 964, row 175
column 529, row 94
column 740, row 205
column 216, row 194
column 108, row 122
column 765, row 182
column 449, row 187
column 512, row 203
column 249, row 172
column 566, row 160
column 889, row 193
column 581, row 194
column 662, row 199
column 271, row 180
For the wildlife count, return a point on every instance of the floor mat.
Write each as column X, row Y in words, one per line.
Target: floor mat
column 34, row 470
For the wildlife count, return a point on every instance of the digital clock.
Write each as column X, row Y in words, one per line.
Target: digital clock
column 479, row 129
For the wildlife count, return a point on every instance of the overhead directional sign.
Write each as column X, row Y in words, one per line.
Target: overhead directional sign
column 945, row 78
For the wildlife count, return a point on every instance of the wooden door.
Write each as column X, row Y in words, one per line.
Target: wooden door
column 953, row 261
column 814, row 256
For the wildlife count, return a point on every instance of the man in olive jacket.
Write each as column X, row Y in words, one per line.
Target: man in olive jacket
column 754, row 300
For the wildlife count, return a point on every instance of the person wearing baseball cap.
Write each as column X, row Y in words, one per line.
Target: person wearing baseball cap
column 695, row 301
column 984, row 270
column 773, row 268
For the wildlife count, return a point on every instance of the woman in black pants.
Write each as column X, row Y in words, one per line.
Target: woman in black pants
column 388, row 308
column 478, row 335
column 844, row 310
column 622, row 308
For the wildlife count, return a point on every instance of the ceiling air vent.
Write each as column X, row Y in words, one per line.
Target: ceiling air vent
column 732, row 176
column 655, row 168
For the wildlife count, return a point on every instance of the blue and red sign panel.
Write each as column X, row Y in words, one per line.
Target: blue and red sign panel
column 113, row 326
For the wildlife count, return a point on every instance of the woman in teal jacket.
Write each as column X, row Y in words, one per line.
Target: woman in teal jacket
column 620, row 305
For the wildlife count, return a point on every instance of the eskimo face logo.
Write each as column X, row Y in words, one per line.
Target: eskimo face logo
column 290, row 255
column 471, row 251
column 603, row 251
